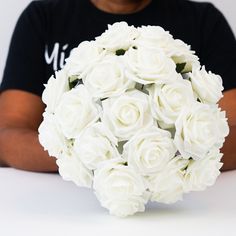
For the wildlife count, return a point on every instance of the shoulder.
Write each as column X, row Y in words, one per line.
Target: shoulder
column 193, row 7
column 48, row 12
column 192, row 4
column 203, row 14
column 50, row 3
column 50, row 6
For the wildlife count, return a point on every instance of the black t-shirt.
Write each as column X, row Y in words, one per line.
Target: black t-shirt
column 48, row 30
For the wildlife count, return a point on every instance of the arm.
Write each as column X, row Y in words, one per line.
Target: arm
column 228, row 103
column 219, row 56
column 20, row 117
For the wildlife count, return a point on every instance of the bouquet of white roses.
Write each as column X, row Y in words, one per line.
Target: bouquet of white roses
column 134, row 116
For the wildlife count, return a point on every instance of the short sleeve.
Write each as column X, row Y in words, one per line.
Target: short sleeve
column 218, row 46
column 25, row 66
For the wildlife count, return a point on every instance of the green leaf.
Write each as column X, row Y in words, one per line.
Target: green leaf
column 103, row 99
column 198, row 100
column 73, row 81
column 180, row 67
column 120, row 52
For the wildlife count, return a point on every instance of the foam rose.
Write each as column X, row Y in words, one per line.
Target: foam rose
column 117, row 36
column 76, row 111
column 107, row 78
column 155, row 37
column 127, row 114
column 203, row 173
column 199, row 128
column 51, row 137
column 54, row 89
column 207, row 86
column 119, row 188
column 147, row 66
column 87, row 53
column 167, row 186
column 72, row 169
column 149, row 150
column 95, row 145
column 181, row 53
column 168, row 100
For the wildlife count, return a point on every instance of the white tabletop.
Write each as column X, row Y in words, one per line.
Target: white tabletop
column 43, row 204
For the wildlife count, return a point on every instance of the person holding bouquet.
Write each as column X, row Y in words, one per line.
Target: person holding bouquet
column 48, row 30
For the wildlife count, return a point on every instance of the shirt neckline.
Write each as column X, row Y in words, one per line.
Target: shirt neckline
column 107, row 15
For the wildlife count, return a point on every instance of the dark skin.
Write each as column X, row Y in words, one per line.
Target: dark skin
column 19, row 145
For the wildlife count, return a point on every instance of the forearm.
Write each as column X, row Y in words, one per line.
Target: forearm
column 229, row 150
column 20, row 148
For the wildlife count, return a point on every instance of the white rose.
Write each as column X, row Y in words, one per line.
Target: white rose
column 76, row 111
column 168, row 100
column 147, row 66
column 117, row 36
column 85, row 54
column 199, row 128
column 203, row 173
column 95, row 145
column 125, row 207
column 182, row 53
column 127, row 114
column 72, row 169
column 166, row 186
column 119, row 188
column 155, row 37
column 107, row 78
column 54, row 89
column 51, row 137
column 149, row 150
column 207, row 86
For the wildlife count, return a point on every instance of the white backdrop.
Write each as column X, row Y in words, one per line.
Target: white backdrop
column 10, row 10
